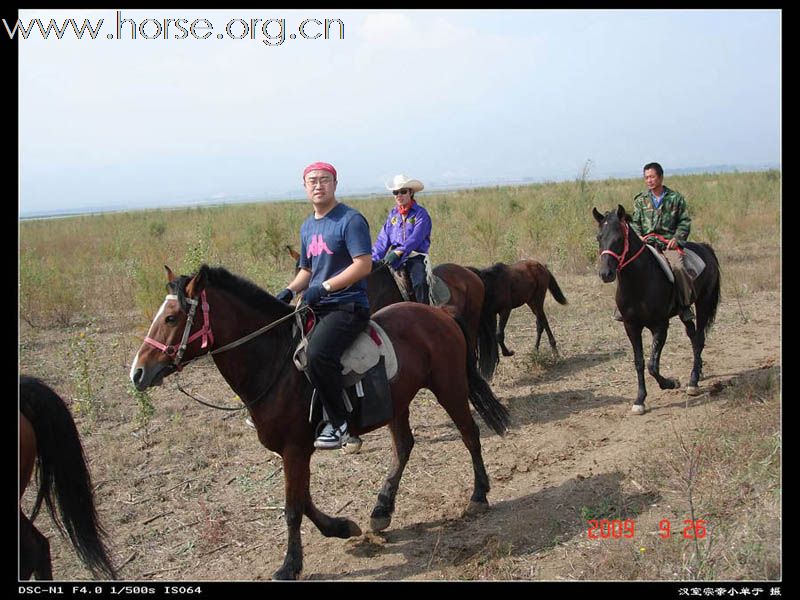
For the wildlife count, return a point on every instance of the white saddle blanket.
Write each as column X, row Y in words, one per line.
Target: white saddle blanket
column 364, row 353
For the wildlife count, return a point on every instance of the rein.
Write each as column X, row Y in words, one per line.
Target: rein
column 621, row 262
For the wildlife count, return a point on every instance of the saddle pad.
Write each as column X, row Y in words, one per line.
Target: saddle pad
column 439, row 292
column 693, row 263
column 365, row 353
column 663, row 262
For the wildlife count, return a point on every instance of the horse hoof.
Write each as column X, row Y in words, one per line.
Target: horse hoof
column 476, row 508
column 284, row 574
column 352, row 445
column 379, row 523
column 692, row 390
column 638, row 409
column 353, row 529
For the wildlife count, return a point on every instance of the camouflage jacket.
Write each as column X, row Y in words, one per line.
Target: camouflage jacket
column 671, row 219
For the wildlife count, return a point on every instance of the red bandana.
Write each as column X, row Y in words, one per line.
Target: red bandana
column 403, row 210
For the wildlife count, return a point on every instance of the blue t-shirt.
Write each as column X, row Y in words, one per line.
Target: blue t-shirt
column 329, row 245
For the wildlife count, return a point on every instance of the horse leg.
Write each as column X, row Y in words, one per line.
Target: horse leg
column 501, row 332
column 456, row 405
column 698, row 337
column 296, row 471
column 34, row 552
column 402, row 443
column 543, row 325
column 330, row 526
column 635, row 336
column 659, row 339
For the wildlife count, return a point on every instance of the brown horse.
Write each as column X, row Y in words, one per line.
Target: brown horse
column 466, row 300
column 510, row 286
column 49, row 440
column 260, row 371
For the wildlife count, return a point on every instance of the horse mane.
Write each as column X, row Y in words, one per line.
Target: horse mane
column 244, row 289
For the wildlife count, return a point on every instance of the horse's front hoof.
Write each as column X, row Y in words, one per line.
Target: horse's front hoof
column 693, row 390
column 352, row 529
column 638, row 409
column 379, row 523
column 476, row 508
column 508, row 353
column 285, row 574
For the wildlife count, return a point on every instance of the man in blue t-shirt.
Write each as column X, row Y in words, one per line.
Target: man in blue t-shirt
column 335, row 258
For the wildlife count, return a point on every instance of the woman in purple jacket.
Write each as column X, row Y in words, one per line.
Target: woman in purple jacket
column 405, row 238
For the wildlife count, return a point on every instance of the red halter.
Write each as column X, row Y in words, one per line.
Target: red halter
column 621, row 262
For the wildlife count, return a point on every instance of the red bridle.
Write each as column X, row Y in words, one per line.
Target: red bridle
column 204, row 331
column 621, row 262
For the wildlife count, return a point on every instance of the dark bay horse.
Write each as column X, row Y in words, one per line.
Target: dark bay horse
column 645, row 297
column 48, row 439
column 277, row 395
column 511, row 286
column 466, row 300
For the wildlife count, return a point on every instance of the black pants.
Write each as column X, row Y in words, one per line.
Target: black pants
column 419, row 278
column 337, row 327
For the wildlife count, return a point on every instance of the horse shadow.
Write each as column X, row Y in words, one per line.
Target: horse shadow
column 570, row 365
column 517, row 527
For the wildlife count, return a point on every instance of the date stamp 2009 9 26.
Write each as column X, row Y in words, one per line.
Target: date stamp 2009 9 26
column 603, row 529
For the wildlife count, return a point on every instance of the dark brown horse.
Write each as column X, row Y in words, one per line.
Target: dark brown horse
column 510, row 286
column 48, row 439
column 466, row 300
column 278, row 396
column 645, row 297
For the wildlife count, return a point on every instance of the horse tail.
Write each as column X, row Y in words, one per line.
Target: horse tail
column 480, row 394
column 554, row 289
column 715, row 294
column 63, row 475
column 488, row 354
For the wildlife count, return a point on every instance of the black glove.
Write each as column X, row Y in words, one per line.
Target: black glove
column 391, row 257
column 285, row 295
column 314, row 294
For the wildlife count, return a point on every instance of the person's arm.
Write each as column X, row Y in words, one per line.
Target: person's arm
column 684, row 221
column 382, row 243
column 637, row 220
column 300, row 281
column 361, row 267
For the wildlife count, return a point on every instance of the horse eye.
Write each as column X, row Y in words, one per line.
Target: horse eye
column 171, row 319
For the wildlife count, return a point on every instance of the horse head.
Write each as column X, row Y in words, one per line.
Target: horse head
column 612, row 238
column 168, row 344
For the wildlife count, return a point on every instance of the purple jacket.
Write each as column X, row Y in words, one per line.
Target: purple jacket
column 409, row 234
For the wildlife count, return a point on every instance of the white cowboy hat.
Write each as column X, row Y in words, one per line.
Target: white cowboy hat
column 401, row 181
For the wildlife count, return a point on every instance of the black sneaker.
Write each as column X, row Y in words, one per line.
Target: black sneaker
column 331, row 437
column 686, row 314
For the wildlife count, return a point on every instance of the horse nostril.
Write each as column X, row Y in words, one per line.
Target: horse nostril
column 136, row 376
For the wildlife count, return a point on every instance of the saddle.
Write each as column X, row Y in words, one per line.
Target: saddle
column 438, row 291
column 368, row 366
column 692, row 262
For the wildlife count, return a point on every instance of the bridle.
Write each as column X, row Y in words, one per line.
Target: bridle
column 208, row 340
column 621, row 261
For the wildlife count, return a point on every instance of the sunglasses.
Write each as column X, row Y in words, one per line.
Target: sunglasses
column 401, row 192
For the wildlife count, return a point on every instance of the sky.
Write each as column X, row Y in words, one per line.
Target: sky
column 449, row 97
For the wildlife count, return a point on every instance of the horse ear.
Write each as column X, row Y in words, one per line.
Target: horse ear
column 170, row 274
column 597, row 216
column 197, row 283
column 293, row 253
column 620, row 212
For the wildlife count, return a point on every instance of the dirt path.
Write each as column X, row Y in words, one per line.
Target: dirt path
column 196, row 498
